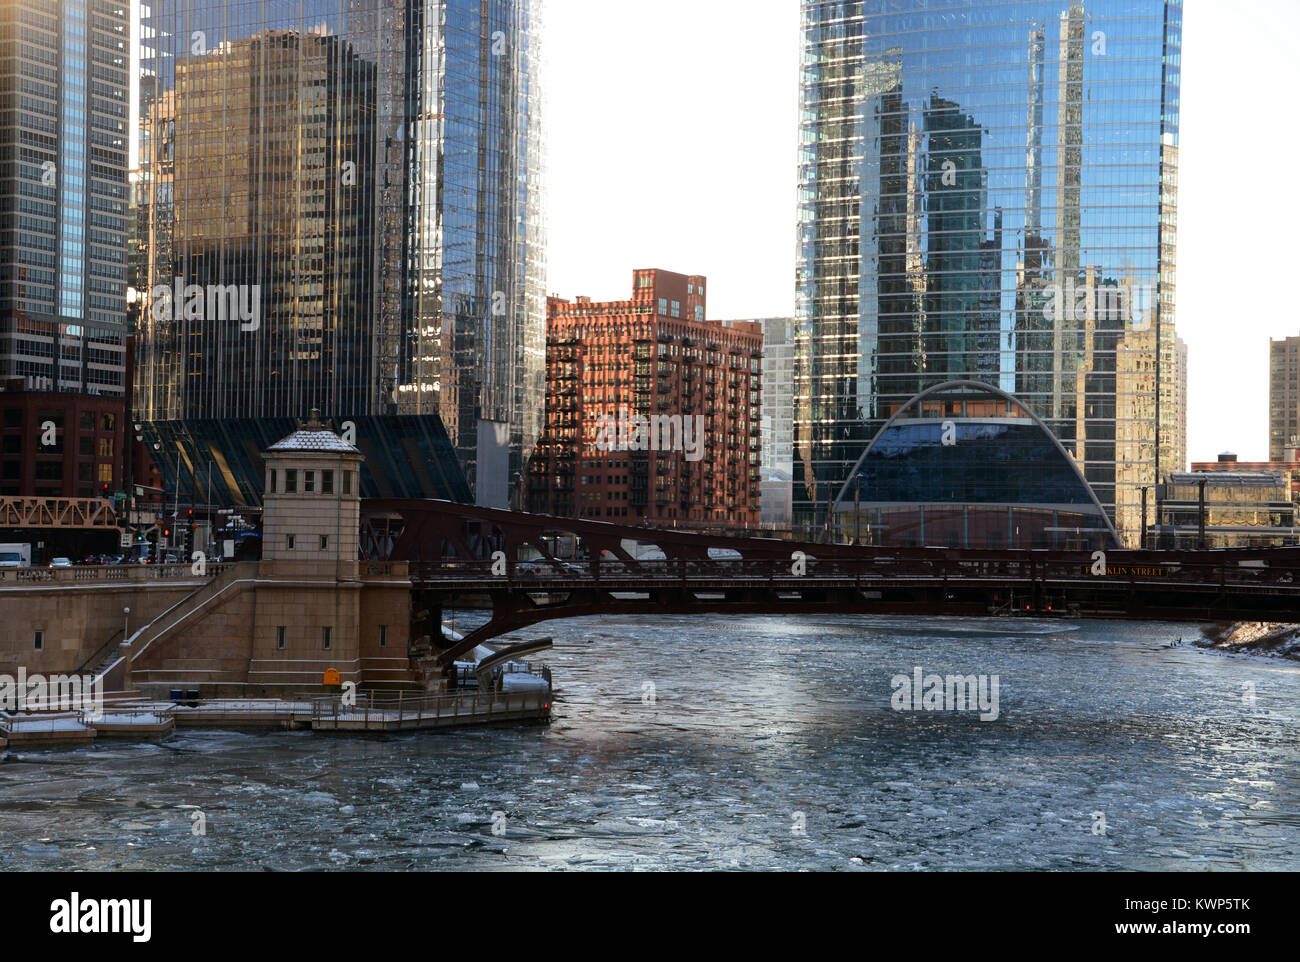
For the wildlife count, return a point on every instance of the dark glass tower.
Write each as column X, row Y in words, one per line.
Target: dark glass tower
column 345, row 213
column 987, row 193
column 63, row 193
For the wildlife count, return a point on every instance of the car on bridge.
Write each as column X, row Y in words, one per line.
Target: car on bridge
column 542, row 568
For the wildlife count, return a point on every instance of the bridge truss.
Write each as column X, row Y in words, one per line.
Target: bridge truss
column 456, row 551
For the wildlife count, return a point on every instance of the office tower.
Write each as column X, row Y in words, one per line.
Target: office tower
column 987, row 194
column 63, row 187
column 344, row 213
column 1284, row 399
column 776, row 461
column 652, row 411
column 63, row 192
column 1175, row 429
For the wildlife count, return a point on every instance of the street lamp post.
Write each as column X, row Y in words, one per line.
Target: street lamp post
column 1200, row 511
column 126, row 623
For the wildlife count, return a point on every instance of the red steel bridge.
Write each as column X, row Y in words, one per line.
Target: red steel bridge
column 458, row 550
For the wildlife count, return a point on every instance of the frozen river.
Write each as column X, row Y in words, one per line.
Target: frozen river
column 750, row 742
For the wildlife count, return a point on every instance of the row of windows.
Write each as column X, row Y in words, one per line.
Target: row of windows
column 286, row 481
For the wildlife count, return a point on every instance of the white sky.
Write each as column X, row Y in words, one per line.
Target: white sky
column 672, row 128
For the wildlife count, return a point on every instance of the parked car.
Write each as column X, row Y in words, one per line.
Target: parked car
column 61, row 563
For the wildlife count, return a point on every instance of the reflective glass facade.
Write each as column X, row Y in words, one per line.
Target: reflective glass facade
column 344, row 212
column 988, row 192
column 63, row 192
column 966, row 465
column 406, row 457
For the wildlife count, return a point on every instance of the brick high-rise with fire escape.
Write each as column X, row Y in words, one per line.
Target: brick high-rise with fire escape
column 653, row 413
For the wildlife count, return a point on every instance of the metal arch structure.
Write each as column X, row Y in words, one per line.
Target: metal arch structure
column 451, row 551
column 984, row 388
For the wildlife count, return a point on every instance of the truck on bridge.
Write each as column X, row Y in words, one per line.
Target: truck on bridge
column 15, row 555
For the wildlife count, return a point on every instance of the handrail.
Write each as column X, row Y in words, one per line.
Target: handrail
column 331, row 706
column 198, row 603
column 100, row 653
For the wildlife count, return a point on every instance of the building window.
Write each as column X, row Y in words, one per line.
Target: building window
column 109, row 422
column 347, row 482
column 663, row 305
column 39, row 641
column 270, row 482
column 327, row 636
column 290, row 481
column 280, row 633
column 324, row 542
column 105, row 447
column 327, row 482
column 677, row 308
column 309, row 481
column 383, row 636
column 105, row 472
column 87, row 420
column 290, row 542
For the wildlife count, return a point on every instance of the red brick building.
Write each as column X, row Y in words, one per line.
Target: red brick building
column 60, row 445
column 652, row 412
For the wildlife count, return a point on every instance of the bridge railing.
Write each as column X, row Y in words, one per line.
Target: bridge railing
column 387, row 708
column 100, row 574
column 911, row 565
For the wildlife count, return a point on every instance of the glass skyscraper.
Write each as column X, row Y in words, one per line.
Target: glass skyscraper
column 344, row 212
column 63, row 191
column 988, row 193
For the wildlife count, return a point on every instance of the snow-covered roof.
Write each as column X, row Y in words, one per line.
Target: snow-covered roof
column 313, row 436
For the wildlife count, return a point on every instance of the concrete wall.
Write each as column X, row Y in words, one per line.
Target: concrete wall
column 233, row 639
column 77, row 619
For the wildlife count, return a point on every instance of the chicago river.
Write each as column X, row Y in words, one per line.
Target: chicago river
column 751, row 743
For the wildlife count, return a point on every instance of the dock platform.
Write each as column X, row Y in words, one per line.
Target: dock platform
column 150, row 720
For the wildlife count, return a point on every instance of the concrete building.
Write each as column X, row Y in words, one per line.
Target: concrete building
column 1237, row 509
column 1178, row 427
column 1284, row 399
column 267, row 627
column 652, row 411
column 1227, row 462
